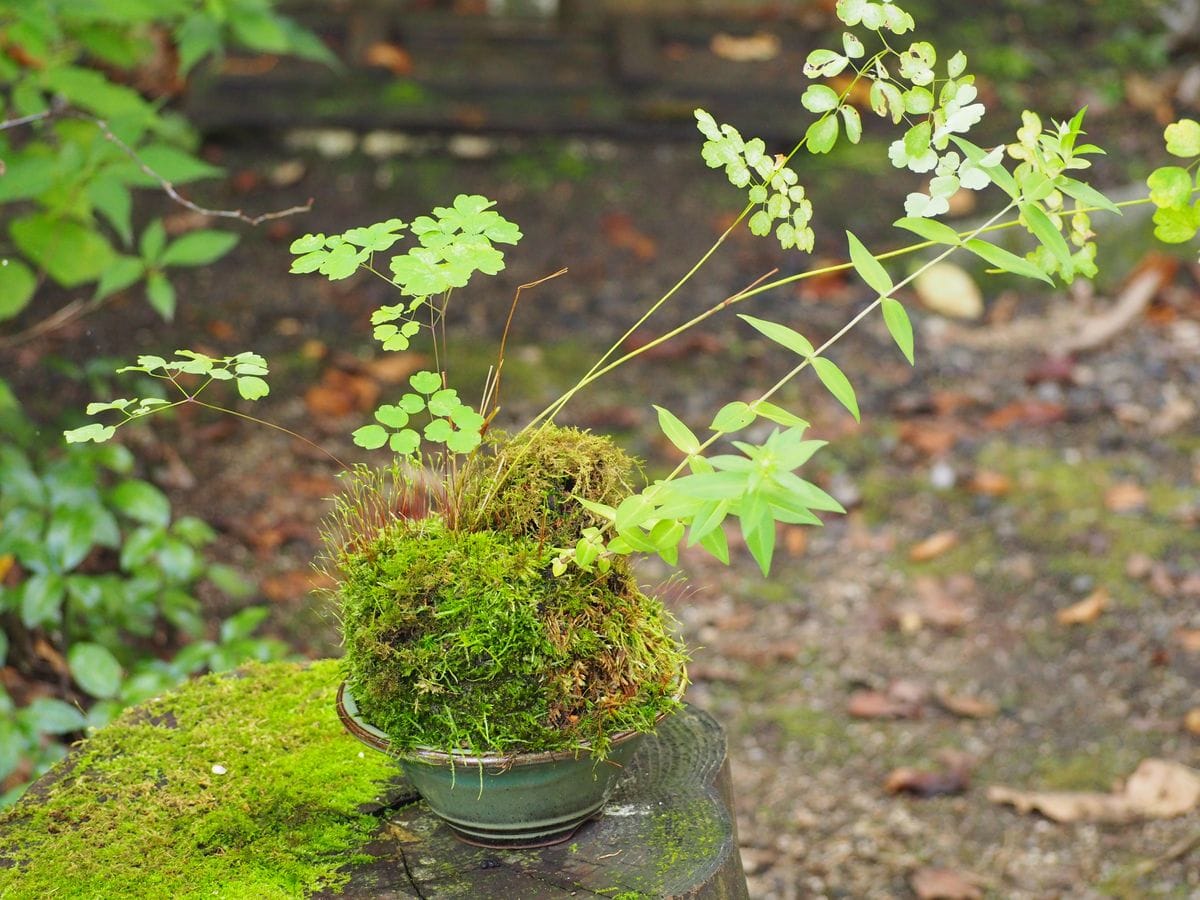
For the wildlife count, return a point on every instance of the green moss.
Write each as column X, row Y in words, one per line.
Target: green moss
column 464, row 641
column 139, row 812
column 529, row 487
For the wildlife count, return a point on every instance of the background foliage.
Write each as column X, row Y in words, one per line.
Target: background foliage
column 97, row 576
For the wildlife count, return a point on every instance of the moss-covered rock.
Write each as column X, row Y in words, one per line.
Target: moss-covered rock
column 463, row 640
column 239, row 786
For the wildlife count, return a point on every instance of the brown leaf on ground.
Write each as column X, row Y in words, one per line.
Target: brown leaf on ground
column 1124, row 496
column 1191, row 721
column 931, row 883
column 295, row 585
column 926, row 783
column 795, row 540
column 393, row 368
column 933, row 546
column 937, row 602
column 758, row 47
column 990, row 484
column 1188, row 639
column 1054, row 369
column 1158, row 789
column 1086, row 610
column 902, row 700
column 967, row 706
column 929, row 437
column 1138, row 566
column 340, row 393
column 1025, row 412
column 948, row 290
column 621, row 233
column 392, row 57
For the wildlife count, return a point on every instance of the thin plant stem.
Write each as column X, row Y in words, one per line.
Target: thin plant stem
column 258, row 421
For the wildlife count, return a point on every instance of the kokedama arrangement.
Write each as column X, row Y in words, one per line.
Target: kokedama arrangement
column 503, row 624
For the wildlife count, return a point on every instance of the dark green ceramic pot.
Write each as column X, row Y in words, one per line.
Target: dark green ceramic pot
column 522, row 800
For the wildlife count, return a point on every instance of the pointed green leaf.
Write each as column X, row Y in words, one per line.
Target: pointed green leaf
column 868, row 267
column 758, row 530
column 781, row 334
column 733, row 417
column 930, row 230
column 1049, row 236
column 1087, row 195
column 1008, row 262
column 837, row 383
column 677, row 433
column 899, row 326
column 779, row 415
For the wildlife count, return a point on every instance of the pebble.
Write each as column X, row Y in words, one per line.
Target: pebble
column 942, row 476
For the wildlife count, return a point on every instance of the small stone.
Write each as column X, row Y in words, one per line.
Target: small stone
column 942, row 476
column 219, row 769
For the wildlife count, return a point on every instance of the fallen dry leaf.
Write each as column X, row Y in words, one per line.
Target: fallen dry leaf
column 1189, row 639
column 1138, row 566
column 947, row 289
column 1125, row 496
column 758, row 47
column 925, row 783
column 341, row 393
column 933, row 546
column 931, row 438
column 795, row 540
column 393, row 368
column 1025, row 412
column 1158, row 789
column 1086, row 610
column 902, row 700
column 930, row 883
column 1053, row 369
column 294, row 585
column 990, row 484
column 937, row 602
column 967, row 706
column 620, row 231
column 392, row 57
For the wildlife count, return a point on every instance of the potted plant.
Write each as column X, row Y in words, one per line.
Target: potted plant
column 491, row 614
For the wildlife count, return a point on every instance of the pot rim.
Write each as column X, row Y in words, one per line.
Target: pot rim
column 353, row 722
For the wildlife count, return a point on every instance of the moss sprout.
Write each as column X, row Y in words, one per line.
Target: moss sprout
column 529, row 485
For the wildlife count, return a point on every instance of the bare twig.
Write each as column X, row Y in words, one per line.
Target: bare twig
column 495, row 385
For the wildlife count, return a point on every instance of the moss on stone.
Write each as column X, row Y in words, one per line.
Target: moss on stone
column 463, row 640
column 138, row 810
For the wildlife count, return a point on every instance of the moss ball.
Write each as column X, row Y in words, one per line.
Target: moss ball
column 463, row 641
column 531, row 484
